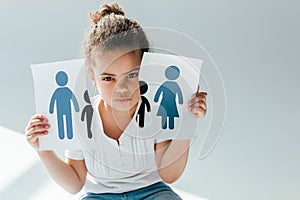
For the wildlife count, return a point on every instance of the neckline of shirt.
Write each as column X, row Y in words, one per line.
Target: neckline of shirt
column 97, row 100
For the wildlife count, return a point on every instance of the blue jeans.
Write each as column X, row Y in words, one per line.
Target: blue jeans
column 155, row 191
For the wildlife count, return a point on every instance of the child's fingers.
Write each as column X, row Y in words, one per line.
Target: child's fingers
column 33, row 139
column 195, row 109
column 36, row 120
column 37, row 129
column 198, row 93
column 195, row 94
column 199, row 103
column 37, row 116
column 36, row 135
column 201, row 97
column 198, row 112
column 34, row 123
column 199, row 109
column 201, row 94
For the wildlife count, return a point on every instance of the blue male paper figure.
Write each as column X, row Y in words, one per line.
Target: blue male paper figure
column 63, row 97
column 88, row 114
column 169, row 90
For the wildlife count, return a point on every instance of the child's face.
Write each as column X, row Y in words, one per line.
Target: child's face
column 116, row 77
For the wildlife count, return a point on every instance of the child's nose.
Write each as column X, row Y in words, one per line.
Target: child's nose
column 122, row 86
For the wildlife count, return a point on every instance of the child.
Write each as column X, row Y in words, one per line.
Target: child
column 120, row 165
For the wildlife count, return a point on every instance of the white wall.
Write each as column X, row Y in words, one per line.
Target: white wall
column 256, row 47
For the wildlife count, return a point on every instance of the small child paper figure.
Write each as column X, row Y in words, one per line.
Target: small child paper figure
column 169, row 90
column 140, row 117
column 88, row 113
column 63, row 97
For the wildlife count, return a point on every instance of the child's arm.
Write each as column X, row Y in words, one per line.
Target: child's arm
column 172, row 155
column 70, row 175
column 171, row 158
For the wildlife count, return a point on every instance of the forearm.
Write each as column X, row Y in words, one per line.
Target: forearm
column 62, row 173
column 172, row 160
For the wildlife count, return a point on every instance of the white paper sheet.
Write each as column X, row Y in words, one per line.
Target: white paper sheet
column 51, row 77
column 159, row 72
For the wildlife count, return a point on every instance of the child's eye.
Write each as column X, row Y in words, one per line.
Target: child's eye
column 133, row 75
column 107, row 78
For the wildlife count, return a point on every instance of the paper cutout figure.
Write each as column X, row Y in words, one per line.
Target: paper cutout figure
column 140, row 117
column 169, row 90
column 88, row 113
column 63, row 97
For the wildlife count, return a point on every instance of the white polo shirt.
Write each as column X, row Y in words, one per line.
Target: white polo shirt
column 117, row 166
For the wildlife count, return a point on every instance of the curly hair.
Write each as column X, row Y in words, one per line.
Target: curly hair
column 110, row 30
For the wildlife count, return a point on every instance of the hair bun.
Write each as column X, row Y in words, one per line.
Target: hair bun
column 106, row 9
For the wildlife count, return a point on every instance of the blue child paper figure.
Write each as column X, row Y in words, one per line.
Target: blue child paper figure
column 63, row 97
column 169, row 90
column 140, row 117
column 88, row 113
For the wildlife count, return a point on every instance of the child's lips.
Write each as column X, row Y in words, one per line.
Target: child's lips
column 123, row 100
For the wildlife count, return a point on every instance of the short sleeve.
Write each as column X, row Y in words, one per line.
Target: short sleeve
column 156, row 140
column 74, row 154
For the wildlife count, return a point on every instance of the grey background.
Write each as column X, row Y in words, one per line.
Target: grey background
column 256, row 47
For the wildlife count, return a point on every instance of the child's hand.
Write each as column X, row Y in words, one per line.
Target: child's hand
column 197, row 104
column 37, row 126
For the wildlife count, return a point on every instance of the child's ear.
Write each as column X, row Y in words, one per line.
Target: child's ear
column 90, row 73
